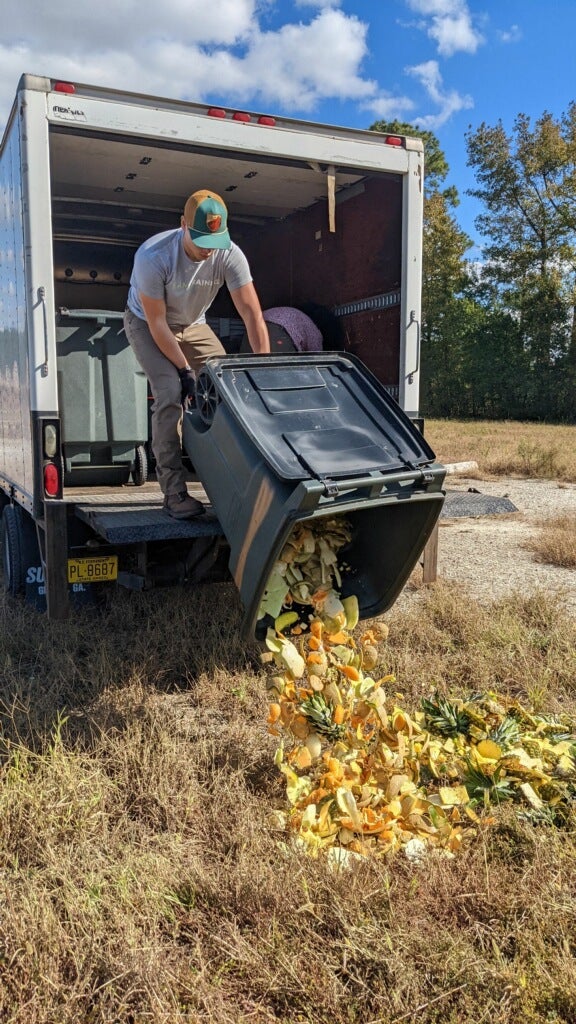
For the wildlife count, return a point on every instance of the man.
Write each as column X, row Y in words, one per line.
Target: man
column 175, row 278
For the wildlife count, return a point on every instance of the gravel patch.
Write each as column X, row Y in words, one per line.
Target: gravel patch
column 487, row 554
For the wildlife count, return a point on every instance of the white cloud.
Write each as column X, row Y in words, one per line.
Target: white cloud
column 178, row 49
column 88, row 27
column 449, row 23
column 193, row 50
column 389, row 108
column 449, row 101
column 305, row 62
column 317, row 3
column 510, row 35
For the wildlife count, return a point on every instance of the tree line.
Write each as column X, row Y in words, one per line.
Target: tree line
column 499, row 333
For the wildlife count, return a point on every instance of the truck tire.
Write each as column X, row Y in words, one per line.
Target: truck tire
column 19, row 548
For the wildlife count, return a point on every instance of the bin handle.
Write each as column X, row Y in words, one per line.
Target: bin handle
column 331, row 487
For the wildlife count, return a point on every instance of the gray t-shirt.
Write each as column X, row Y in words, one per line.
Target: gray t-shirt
column 162, row 270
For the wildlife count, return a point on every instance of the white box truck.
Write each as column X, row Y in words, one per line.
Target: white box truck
column 329, row 218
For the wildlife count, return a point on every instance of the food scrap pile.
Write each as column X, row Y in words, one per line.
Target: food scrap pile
column 363, row 775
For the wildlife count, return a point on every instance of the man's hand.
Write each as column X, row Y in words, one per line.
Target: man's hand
column 188, row 382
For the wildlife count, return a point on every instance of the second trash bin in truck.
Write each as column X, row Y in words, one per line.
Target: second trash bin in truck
column 103, row 399
column 276, row 440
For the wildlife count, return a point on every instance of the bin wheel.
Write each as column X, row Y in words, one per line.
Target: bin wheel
column 19, row 548
column 207, row 398
column 140, row 467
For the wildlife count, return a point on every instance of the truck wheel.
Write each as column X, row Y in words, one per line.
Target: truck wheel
column 140, row 468
column 19, row 548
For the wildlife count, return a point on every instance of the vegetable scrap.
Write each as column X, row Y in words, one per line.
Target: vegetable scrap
column 366, row 777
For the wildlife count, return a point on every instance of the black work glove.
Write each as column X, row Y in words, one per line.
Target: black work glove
column 188, row 382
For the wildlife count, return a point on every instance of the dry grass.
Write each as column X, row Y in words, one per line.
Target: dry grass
column 508, row 448
column 555, row 542
column 141, row 884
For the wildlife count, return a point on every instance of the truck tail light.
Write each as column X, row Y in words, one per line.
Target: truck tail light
column 240, row 116
column 393, row 140
column 216, row 112
column 64, row 87
column 51, row 480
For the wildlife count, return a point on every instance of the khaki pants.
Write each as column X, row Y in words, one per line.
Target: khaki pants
column 198, row 343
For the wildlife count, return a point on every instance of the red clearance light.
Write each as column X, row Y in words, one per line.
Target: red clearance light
column 64, row 87
column 265, row 119
column 238, row 116
column 51, row 480
column 393, row 140
column 216, row 112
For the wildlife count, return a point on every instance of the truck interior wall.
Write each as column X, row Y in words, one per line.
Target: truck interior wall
column 91, row 276
column 299, row 262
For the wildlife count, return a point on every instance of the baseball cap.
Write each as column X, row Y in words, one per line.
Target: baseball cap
column 206, row 215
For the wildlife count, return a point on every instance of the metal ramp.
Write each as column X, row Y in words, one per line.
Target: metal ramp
column 460, row 504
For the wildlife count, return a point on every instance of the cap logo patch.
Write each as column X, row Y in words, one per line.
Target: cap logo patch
column 213, row 221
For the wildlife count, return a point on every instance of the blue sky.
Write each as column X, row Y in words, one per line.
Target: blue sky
column 441, row 64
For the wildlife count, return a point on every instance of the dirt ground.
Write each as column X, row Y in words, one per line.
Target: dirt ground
column 488, row 554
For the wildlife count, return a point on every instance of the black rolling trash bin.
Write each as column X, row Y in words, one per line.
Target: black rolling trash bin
column 300, row 437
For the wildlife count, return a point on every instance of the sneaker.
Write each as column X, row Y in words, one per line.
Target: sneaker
column 182, row 506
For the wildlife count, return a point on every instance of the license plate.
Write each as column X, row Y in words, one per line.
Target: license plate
column 93, row 570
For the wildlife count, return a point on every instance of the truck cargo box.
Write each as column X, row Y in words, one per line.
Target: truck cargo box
column 329, row 217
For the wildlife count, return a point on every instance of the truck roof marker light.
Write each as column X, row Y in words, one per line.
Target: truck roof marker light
column 267, row 120
column 216, row 112
column 393, row 140
column 240, row 116
column 51, row 480
column 64, row 87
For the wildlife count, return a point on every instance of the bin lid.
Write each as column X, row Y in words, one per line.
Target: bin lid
column 316, row 414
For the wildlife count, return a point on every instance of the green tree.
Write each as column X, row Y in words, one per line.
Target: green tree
column 444, row 309
column 527, row 185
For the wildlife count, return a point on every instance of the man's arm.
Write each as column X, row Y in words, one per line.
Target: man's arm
column 247, row 303
column 155, row 310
